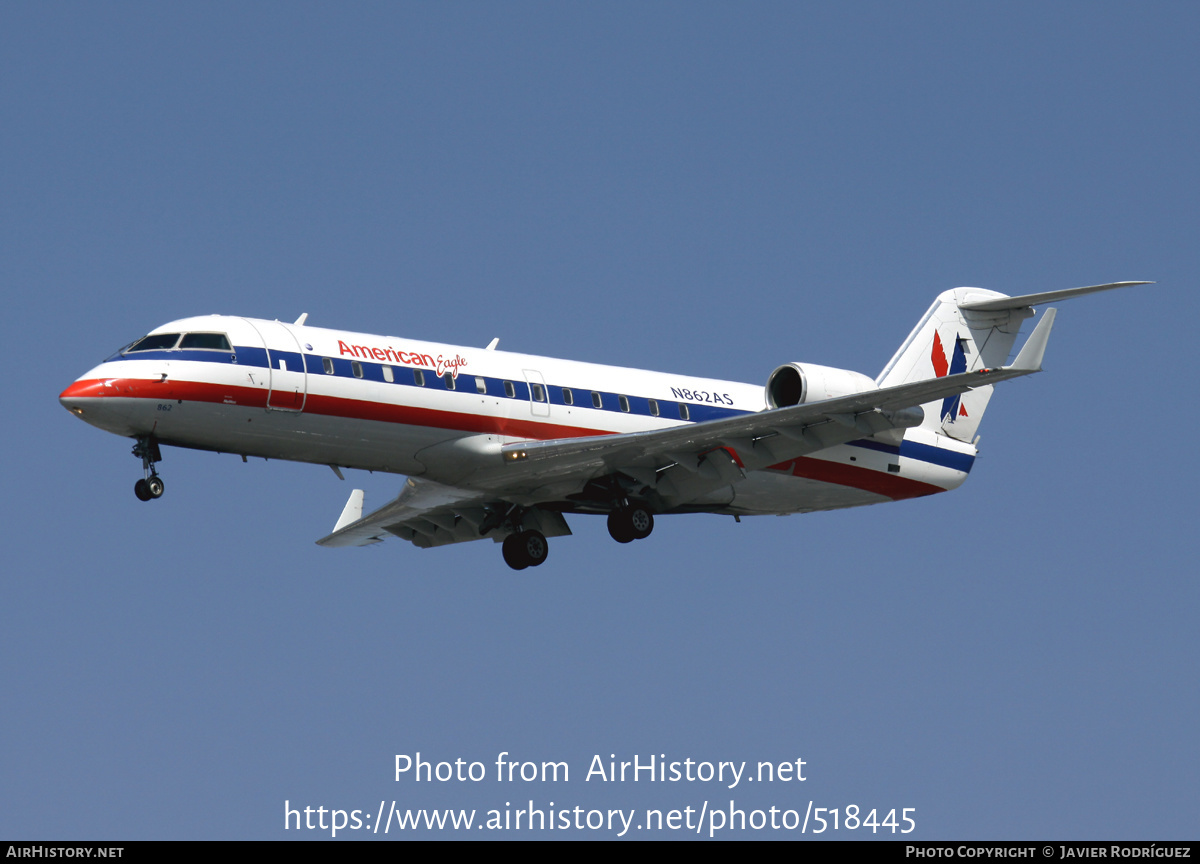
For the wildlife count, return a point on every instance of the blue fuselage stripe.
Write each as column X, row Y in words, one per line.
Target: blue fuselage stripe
column 923, row 453
column 464, row 383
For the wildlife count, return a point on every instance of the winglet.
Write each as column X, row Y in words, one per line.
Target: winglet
column 352, row 512
column 1030, row 358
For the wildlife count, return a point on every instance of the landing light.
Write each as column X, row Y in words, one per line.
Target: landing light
column 514, row 455
column 77, row 411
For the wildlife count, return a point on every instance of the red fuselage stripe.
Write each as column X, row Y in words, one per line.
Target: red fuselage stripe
column 332, row 406
column 889, row 485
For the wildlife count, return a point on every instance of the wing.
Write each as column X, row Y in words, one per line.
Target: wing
column 761, row 439
column 432, row 514
column 541, row 479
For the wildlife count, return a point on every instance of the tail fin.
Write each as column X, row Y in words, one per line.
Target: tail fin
column 964, row 330
column 952, row 339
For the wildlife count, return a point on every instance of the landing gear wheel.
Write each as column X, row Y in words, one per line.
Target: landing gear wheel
column 535, row 547
column 619, row 527
column 525, row 549
column 514, row 556
column 155, row 486
column 142, row 490
column 630, row 523
column 641, row 521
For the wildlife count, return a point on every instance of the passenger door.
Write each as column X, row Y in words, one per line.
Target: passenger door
column 288, row 369
column 539, row 396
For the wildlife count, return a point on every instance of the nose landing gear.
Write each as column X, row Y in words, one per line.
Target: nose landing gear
column 151, row 486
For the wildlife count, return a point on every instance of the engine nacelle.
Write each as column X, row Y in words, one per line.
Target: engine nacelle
column 798, row 383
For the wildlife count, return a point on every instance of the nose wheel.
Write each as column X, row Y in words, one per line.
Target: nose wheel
column 151, row 486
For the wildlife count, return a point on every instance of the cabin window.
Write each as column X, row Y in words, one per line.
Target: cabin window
column 568, row 396
column 653, row 407
column 419, row 377
column 448, row 378
column 206, row 342
column 624, row 400
column 480, row 385
column 597, row 402
column 356, row 368
column 683, row 412
column 388, row 375
column 157, row 342
column 327, row 365
column 509, row 390
column 538, row 392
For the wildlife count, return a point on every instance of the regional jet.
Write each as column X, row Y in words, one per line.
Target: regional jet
column 504, row 446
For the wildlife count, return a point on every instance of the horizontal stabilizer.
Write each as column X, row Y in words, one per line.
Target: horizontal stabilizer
column 1026, row 300
column 352, row 512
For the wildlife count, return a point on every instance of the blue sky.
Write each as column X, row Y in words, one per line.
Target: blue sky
column 708, row 188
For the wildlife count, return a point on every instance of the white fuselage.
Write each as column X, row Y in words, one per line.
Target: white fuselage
column 381, row 403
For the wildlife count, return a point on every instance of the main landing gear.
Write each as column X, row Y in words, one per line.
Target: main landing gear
column 525, row 549
column 151, row 486
column 631, row 522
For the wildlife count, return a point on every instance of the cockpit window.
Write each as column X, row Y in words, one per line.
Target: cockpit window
column 206, row 341
column 156, row 342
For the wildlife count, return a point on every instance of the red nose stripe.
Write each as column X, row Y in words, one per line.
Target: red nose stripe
column 84, row 390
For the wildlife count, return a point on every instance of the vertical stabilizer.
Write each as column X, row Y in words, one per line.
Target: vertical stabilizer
column 950, row 340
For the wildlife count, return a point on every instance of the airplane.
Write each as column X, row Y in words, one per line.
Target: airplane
column 501, row 445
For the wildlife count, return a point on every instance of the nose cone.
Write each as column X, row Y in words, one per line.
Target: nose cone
column 96, row 398
column 84, row 395
column 109, row 402
column 80, row 395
